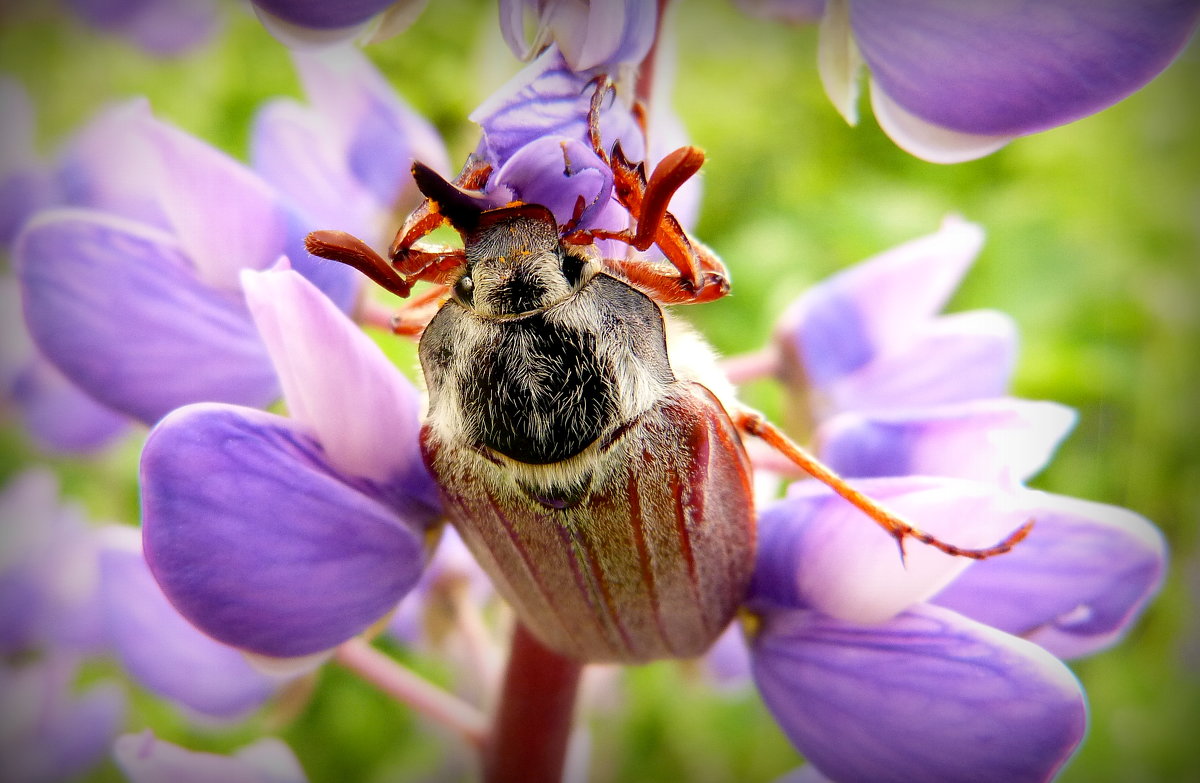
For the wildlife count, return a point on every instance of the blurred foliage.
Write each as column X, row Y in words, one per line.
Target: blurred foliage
column 1092, row 247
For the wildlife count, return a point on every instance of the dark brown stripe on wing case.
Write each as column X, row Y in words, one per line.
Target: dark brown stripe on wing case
column 531, row 566
column 592, row 589
column 643, row 550
column 606, row 596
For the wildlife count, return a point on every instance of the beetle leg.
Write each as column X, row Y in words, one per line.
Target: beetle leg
column 662, row 283
column 697, row 268
column 755, row 424
column 412, row 318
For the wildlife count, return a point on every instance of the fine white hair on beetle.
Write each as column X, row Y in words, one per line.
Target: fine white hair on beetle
column 693, row 359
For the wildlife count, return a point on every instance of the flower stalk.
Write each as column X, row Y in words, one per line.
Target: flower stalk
column 406, row 686
column 532, row 726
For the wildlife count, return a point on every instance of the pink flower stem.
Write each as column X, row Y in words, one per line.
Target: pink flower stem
column 406, row 686
column 751, row 366
column 528, row 741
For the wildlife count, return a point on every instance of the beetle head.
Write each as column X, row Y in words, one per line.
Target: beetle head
column 516, row 261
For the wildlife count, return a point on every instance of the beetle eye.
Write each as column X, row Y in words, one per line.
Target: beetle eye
column 572, row 269
column 464, row 291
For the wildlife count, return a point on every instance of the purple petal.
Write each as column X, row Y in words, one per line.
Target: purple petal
column 48, row 733
column 1075, row 585
column 1000, row 440
column 548, row 99
column 604, row 33
column 555, row 172
column 925, row 140
column 957, row 358
column 160, row 649
column 260, row 542
column 17, row 126
column 292, row 150
column 146, row 759
column 928, row 695
column 48, row 570
column 117, row 308
column 28, row 510
column 879, row 305
column 1016, row 66
column 25, row 184
column 59, row 417
column 322, row 15
column 109, row 166
column 728, row 660
column 332, row 373
column 380, row 134
column 227, row 218
column 817, row 551
column 22, row 194
column 163, row 27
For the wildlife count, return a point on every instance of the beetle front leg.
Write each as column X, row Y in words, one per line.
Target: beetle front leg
column 411, row 319
column 754, row 424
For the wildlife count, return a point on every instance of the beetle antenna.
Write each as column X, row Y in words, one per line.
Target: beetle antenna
column 461, row 207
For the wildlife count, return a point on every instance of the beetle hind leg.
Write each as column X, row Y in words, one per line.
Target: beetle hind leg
column 754, row 424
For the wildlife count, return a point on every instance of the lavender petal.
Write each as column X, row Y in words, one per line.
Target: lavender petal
column 928, row 695
column 260, row 542
column 1000, row 440
column 1075, row 585
column 161, row 650
column 116, row 307
column 1016, row 66
column 817, row 551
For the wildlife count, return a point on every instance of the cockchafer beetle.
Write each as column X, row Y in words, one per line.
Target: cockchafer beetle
column 588, row 450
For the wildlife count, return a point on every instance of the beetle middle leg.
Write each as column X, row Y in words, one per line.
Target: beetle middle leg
column 754, row 424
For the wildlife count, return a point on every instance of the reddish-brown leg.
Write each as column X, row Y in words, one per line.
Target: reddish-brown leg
column 411, row 319
column 699, row 274
column 755, row 424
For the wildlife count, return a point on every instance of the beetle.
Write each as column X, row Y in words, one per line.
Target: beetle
column 587, row 449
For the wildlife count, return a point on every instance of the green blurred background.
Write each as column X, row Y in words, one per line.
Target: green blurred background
column 1092, row 247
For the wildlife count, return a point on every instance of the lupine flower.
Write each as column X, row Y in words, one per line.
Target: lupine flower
column 954, row 81
column 69, row 588
column 309, row 24
column 937, row 667
column 286, row 536
column 137, row 300
column 47, row 733
column 591, row 34
column 56, row 414
column 328, row 447
column 166, row 28
column 146, row 759
column 893, row 388
column 26, row 183
column 345, row 157
column 535, row 138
